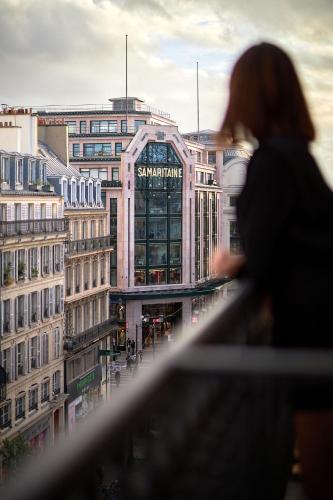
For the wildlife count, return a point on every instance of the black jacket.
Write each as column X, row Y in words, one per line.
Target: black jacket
column 285, row 217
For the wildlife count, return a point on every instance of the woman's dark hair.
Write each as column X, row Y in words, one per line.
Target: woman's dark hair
column 266, row 97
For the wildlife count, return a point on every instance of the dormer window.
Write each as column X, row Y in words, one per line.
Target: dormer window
column 43, row 172
column 82, row 191
column 98, row 193
column 73, row 192
column 5, row 170
column 64, row 190
column 19, row 171
column 32, row 172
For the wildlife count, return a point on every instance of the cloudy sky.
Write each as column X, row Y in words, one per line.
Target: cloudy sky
column 72, row 52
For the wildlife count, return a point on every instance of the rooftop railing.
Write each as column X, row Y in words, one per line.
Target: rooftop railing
column 75, row 342
column 96, row 108
column 27, row 227
column 211, row 418
column 88, row 245
column 103, row 132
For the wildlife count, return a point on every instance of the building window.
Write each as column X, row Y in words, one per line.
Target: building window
column 46, row 303
column 85, row 172
column 138, row 123
column 34, row 352
column 5, row 416
column 19, row 171
column 45, row 391
column 103, row 126
column 118, row 148
column 34, row 305
column 20, row 407
column 33, row 399
column 56, row 382
column 212, row 157
column 45, row 349
column 76, row 149
column 5, row 170
column 20, row 311
column 233, row 201
column 56, row 343
column 20, row 352
column 99, row 149
column 123, row 126
column 115, row 174
column 83, row 127
column 235, row 241
column 71, row 127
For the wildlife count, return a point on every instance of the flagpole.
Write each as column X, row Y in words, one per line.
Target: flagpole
column 198, row 109
column 126, row 89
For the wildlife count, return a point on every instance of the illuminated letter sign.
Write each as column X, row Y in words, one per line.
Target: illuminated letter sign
column 160, row 172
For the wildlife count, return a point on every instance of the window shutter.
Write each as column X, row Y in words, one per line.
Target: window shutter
column 42, row 305
column 15, row 362
column 14, row 265
column 38, row 259
column 38, row 300
column 53, row 250
column 11, row 322
column 47, row 348
column 62, row 298
column 26, row 309
column 28, row 266
column 12, row 363
column 50, row 263
column 26, row 357
column 38, row 351
column 51, row 301
column 61, row 258
column 29, row 354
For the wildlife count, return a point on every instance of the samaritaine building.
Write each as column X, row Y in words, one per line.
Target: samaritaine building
column 32, row 235
column 163, row 194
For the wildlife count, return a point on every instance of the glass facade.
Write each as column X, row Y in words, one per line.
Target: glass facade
column 158, row 216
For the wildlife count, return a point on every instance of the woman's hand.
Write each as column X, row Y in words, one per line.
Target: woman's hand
column 225, row 264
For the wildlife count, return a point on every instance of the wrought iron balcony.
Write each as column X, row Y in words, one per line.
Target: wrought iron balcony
column 205, row 421
column 29, row 227
column 88, row 245
column 76, row 342
column 111, row 184
column 103, row 131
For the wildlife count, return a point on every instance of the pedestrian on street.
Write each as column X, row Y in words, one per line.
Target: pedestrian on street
column 128, row 345
column 117, row 378
column 133, row 347
column 140, row 354
column 128, row 363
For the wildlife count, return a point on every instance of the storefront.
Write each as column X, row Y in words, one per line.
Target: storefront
column 38, row 435
column 84, row 395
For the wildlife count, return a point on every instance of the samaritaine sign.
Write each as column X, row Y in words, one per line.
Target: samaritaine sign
column 159, row 172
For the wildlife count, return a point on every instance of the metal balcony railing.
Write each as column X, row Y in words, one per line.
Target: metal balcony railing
column 111, row 184
column 204, row 421
column 102, row 131
column 27, row 227
column 76, row 342
column 88, row 245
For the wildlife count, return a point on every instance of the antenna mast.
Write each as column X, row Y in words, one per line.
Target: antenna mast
column 126, row 89
column 198, row 109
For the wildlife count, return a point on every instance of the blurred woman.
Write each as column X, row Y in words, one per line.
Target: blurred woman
column 285, row 214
